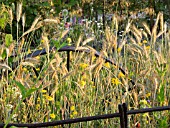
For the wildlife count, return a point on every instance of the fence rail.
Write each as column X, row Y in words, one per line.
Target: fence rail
column 68, row 49
column 122, row 114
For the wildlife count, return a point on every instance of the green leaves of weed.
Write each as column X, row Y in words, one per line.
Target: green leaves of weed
column 24, row 91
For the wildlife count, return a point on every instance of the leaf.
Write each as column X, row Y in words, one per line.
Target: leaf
column 22, row 89
column 28, row 93
column 2, row 23
column 8, row 40
column 58, row 45
column 4, row 54
column 161, row 97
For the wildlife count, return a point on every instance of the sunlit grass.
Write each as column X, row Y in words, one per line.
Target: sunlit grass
column 92, row 86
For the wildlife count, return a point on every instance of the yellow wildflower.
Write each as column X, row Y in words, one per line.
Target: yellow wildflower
column 119, row 50
column 121, row 75
column 49, row 98
column 38, row 69
column 72, row 108
column 143, row 102
column 144, row 41
column 43, row 91
column 37, row 106
column 83, row 65
column 75, row 113
column 107, row 65
column 140, row 44
column 147, row 47
column 115, row 81
column 69, row 41
column 25, row 69
column 71, row 116
column 84, row 77
column 52, row 115
column 40, row 48
column 82, row 83
column 42, row 41
column 37, row 57
column 29, row 51
column 148, row 95
column 38, row 99
column 145, row 114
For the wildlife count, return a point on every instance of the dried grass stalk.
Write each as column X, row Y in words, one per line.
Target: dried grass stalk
column 78, row 42
column 64, row 33
column 23, row 20
column 146, row 28
column 88, row 40
column 19, row 10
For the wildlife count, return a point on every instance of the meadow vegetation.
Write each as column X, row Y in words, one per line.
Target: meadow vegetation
column 91, row 86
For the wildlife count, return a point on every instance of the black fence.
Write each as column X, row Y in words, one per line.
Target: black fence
column 68, row 49
column 122, row 115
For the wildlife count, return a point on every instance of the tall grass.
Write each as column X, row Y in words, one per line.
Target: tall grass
column 91, row 87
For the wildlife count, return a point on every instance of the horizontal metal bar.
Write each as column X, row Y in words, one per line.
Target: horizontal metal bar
column 148, row 110
column 61, row 122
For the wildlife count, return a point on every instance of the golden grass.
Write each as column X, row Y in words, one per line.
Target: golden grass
column 91, row 87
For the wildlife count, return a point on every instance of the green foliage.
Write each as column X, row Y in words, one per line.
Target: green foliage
column 24, row 91
column 8, row 40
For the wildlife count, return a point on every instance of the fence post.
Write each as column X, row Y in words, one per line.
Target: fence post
column 68, row 60
column 125, row 115
column 121, row 111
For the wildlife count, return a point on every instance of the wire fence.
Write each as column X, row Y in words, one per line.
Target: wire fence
column 122, row 115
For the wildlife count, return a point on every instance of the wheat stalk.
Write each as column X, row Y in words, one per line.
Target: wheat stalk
column 19, row 10
column 147, row 28
column 88, row 40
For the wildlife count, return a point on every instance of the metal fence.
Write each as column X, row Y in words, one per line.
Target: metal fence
column 122, row 115
column 68, row 49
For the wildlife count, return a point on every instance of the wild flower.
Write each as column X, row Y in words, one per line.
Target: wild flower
column 52, row 115
column 74, row 113
column 38, row 99
column 121, row 75
column 69, row 41
column 37, row 57
column 148, row 95
column 43, row 91
column 115, row 81
column 72, row 108
column 37, row 106
column 40, row 48
column 144, row 102
column 42, row 41
column 82, row 83
column 144, row 41
column 49, row 98
column 83, row 65
column 148, row 47
column 9, row 107
column 107, row 64
column 24, row 69
column 38, row 69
